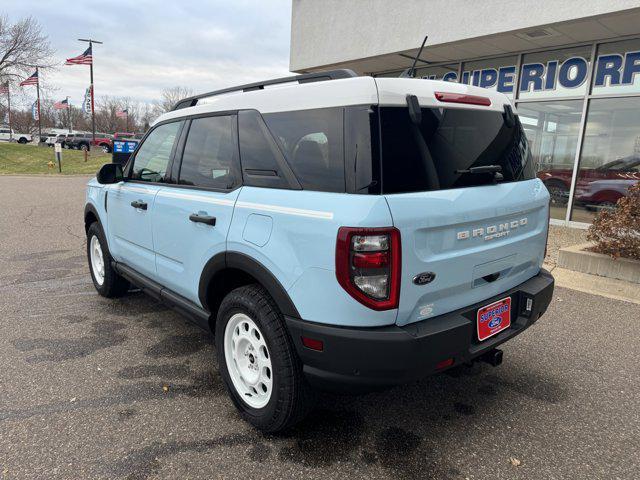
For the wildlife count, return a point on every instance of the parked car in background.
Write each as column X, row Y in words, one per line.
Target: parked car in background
column 558, row 181
column 103, row 141
column 7, row 135
column 78, row 141
column 136, row 136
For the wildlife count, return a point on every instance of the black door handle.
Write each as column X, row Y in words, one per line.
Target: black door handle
column 139, row 204
column 207, row 219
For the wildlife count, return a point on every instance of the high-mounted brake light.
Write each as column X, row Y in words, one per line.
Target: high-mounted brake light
column 368, row 265
column 463, row 98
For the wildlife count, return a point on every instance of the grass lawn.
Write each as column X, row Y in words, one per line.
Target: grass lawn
column 29, row 159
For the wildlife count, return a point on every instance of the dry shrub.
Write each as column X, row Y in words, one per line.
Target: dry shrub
column 616, row 232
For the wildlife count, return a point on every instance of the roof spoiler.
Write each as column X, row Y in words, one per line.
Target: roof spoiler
column 304, row 78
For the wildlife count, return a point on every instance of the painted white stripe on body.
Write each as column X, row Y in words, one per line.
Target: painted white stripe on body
column 286, row 210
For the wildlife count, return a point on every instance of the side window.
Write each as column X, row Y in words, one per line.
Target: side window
column 152, row 158
column 262, row 161
column 210, row 155
column 312, row 142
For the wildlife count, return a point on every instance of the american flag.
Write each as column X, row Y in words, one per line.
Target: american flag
column 122, row 113
column 61, row 105
column 85, row 59
column 4, row 88
column 32, row 80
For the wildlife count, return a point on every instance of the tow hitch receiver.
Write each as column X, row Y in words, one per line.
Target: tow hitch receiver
column 492, row 357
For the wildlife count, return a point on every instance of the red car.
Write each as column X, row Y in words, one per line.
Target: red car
column 105, row 142
column 590, row 187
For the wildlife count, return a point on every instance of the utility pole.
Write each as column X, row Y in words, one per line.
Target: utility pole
column 93, row 113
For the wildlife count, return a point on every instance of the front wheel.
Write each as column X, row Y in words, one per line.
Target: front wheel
column 258, row 362
column 84, row 147
column 106, row 149
column 105, row 279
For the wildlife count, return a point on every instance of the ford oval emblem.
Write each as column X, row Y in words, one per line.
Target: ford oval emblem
column 424, row 278
column 495, row 322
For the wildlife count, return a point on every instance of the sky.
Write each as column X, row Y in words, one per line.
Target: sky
column 150, row 45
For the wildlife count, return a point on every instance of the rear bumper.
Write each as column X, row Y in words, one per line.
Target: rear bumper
column 361, row 359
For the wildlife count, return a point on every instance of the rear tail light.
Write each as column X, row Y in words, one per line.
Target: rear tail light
column 368, row 265
column 463, row 98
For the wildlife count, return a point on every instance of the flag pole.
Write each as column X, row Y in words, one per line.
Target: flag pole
column 127, row 121
column 69, row 114
column 93, row 113
column 9, row 112
column 38, row 106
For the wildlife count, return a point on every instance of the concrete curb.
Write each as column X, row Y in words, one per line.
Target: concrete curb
column 576, row 258
column 595, row 285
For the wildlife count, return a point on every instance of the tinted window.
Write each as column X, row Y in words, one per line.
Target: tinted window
column 262, row 161
column 447, row 142
column 210, row 155
column 152, row 158
column 312, row 142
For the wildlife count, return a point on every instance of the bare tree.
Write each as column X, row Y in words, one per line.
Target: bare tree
column 170, row 96
column 22, row 46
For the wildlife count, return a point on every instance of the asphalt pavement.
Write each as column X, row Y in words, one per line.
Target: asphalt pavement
column 127, row 389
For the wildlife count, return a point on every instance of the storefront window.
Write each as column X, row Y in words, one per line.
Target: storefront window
column 617, row 68
column 610, row 158
column 496, row 74
column 552, row 130
column 554, row 74
column 448, row 73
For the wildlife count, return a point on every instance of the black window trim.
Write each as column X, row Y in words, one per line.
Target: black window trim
column 285, row 169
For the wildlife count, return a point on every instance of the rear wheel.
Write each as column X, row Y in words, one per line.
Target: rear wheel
column 105, row 279
column 22, row 140
column 84, row 147
column 106, row 149
column 258, row 362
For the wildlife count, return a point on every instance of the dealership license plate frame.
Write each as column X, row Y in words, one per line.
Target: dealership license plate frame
column 483, row 330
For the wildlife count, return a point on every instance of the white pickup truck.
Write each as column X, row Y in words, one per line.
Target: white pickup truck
column 7, row 135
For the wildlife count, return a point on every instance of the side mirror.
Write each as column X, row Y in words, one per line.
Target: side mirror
column 110, row 173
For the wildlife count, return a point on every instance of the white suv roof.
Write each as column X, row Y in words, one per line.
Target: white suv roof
column 356, row 90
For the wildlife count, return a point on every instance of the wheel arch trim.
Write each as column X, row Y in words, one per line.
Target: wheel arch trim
column 240, row 261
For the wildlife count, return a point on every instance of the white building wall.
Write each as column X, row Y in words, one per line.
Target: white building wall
column 327, row 32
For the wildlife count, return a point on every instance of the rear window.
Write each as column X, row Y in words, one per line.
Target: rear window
column 455, row 140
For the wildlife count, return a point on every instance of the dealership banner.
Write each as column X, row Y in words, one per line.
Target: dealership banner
column 87, row 102
column 35, row 111
column 614, row 73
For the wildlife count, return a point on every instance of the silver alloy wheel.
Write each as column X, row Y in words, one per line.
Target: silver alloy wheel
column 248, row 360
column 105, row 149
column 97, row 260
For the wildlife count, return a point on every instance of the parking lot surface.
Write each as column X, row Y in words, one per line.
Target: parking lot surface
column 127, row 389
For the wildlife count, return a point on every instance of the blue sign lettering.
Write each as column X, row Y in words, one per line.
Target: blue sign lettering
column 573, row 72
column 631, row 67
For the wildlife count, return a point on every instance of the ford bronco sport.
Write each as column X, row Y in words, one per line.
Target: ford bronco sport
column 332, row 231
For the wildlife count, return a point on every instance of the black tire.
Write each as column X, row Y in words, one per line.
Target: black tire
column 83, row 147
column 113, row 285
column 22, row 140
column 291, row 397
column 106, row 149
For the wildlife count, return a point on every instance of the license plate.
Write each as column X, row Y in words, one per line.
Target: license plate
column 494, row 318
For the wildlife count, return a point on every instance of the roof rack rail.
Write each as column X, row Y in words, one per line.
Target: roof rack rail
column 303, row 78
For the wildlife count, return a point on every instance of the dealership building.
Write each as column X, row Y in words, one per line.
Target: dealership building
column 572, row 68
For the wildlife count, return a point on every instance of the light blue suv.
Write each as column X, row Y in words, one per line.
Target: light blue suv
column 332, row 231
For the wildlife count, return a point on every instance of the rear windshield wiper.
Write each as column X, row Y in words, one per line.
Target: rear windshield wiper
column 496, row 170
